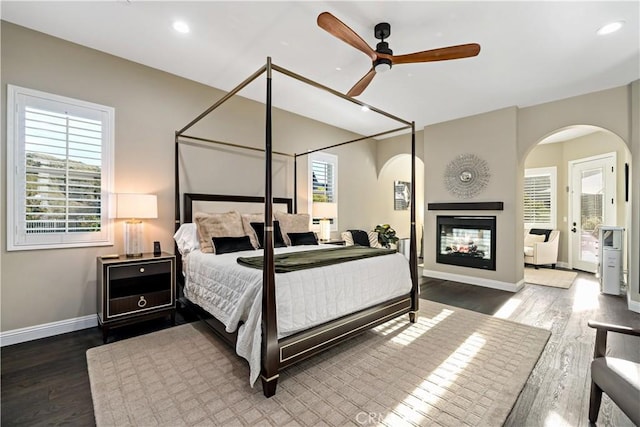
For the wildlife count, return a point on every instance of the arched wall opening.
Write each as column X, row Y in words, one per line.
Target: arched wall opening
column 398, row 168
column 557, row 149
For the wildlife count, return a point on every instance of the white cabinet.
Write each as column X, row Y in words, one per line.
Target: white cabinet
column 610, row 259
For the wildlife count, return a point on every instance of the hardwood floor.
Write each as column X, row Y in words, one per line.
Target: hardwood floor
column 45, row 382
column 557, row 392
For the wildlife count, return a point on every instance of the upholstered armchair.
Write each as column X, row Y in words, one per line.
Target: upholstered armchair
column 619, row 378
column 541, row 247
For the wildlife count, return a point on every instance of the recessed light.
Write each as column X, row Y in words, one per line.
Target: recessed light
column 181, row 27
column 609, row 28
column 338, row 69
column 365, row 108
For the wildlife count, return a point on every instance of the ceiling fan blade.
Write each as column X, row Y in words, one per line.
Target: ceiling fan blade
column 362, row 84
column 339, row 29
column 442, row 54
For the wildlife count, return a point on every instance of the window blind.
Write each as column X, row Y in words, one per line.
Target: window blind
column 323, row 181
column 537, row 199
column 63, row 172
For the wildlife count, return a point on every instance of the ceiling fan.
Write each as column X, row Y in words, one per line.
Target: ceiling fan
column 383, row 58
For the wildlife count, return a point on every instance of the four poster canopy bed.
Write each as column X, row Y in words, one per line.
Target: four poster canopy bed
column 263, row 282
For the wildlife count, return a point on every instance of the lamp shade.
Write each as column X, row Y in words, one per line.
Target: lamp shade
column 325, row 210
column 138, row 206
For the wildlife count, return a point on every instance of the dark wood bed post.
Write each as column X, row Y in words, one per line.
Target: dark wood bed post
column 295, row 183
column 270, row 350
column 177, row 210
column 413, row 256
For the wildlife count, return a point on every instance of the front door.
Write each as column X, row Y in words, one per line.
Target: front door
column 592, row 203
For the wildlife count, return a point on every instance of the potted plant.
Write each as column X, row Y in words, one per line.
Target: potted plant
column 386, row 235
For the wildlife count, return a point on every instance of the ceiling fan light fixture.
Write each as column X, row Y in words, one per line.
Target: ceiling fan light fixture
column 382, row 65
column 382, row 57
column 609, row 28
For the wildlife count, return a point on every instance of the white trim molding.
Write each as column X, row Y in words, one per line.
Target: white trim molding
column 633, row 305
column 487, row 283
column 45, row 330
column 41, row 124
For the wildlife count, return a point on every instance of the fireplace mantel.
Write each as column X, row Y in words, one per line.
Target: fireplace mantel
column 466, row 206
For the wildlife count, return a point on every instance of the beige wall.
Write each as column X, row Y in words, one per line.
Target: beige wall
column 608, row 109
column 558, row 154
column 45, row 286
column 491, row 137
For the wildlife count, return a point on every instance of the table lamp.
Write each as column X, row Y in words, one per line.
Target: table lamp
column 325, row 211
column 135, row 207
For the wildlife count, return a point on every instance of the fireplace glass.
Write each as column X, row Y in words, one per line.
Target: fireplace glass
column 467, row 241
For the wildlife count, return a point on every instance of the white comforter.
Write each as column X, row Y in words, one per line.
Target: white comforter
column 305, row 298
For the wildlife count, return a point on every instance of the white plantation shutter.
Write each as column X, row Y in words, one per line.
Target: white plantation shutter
column 537, row 199
column 323, row 182
column 61, row 152
column 540, row 198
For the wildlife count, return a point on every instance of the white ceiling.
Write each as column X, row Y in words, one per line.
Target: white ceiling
column 532, row 52
column 570, row 133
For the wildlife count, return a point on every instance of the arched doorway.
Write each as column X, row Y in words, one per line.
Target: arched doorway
column 397, row 169
column 587, row 188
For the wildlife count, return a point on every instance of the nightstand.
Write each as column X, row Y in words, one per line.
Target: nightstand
column 132, row 290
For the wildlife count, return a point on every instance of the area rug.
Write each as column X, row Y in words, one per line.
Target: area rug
column 453, row 367
column 550, row 277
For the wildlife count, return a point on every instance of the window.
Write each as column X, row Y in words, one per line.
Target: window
column 59, row 171
column 323, row 181
column 540, row 198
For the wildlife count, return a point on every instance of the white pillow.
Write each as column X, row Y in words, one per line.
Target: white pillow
column 347, row 237
column 373, row 239
column 531, row 239
column 187, row 238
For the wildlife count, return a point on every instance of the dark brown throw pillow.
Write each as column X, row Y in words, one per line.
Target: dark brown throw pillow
column 225, row 245
column 278, row 241
column 307, row 238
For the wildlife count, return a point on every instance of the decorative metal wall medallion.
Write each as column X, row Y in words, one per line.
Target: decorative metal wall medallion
column 466, row 176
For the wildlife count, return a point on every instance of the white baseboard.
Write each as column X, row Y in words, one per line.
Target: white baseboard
column 30, row 333
column 487, row 283
column 563, row 264
column 633, row 305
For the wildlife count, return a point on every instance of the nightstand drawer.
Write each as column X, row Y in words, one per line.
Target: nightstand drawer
column 117, row 272
column 136, row 303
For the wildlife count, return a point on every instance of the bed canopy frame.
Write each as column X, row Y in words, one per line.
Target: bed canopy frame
column 275, row 353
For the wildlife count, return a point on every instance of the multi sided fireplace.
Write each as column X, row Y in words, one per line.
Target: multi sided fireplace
column 468, row 241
